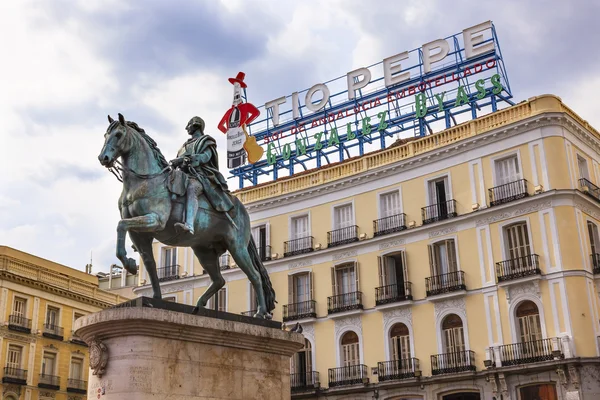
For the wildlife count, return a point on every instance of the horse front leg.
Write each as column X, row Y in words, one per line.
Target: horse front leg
column 145, row 223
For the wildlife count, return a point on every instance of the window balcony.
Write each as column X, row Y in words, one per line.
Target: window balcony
column 49, row 382
column 19, row 323
column 393, row 293
column 298, row 246
column 249, row 313
column 344, row 302
column 15, row 375
column 304, row 309
column 453, row 363
column 168, row 273
column 438, row 212
column 350, row 375
column 398, row 369
column 508, row 192
column 391, row 224
column 77, row 386
column 596, row 263
column 53, row 332
column 529, row 352
column 589, row 188
column 519, row 267
column 305, row 381
column 264, row 252
column 342, row 236
column 445, row 283
column 77, row 340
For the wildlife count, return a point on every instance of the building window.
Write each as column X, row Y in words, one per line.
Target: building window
column 19, row 307
column 49, row 364
column 253, row 298
column 453, row 335
column 442, row 257
column 400, row 342
column 345, row 279
column 439, row 191
column 300, row 239
column 507, row 170
column 52, row 317
column 393, row 278
column 169, row 257
column 13, row 358
column 76, row 369
column 594, row 239
column 582, row 166
column 343, row 216
column 301, row 362
column 225, row 261
column 538, row 392
column 222, row 297
column 528, row 318
column 350, row 349
column 389, row 204
column 260, row 234
column 517, row 241
column 300, row 287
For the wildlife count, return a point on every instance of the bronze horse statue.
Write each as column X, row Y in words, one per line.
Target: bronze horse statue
column 149, row 211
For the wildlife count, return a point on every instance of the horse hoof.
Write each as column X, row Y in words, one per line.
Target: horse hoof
column 130, row 266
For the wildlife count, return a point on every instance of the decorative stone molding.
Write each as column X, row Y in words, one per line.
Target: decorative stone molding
column 391, row 243
column 176, row 288
column 587, row 209
column 454, row 304
column 21, row 338
column 516, row 291
column 494, row 384
column 51, row 347
column 98, row 357
column 510, row 214
column 574, row 376
column 47, row 395
column 353, row 322
column 443, row 232
column 8, row 389
column 389, row 316
column 299, row 264
column 308, row 330
column 344, row 254
column 503, row 387
column 562, row 377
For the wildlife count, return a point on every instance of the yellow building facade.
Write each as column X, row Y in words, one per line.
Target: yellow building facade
column 461, row 265
column 41, row 357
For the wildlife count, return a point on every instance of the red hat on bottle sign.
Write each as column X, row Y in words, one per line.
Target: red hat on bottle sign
column 239, row 79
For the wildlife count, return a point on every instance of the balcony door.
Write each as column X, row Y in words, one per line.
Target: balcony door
column 76, row 371
column 507, row 170
column 594, row 238
column 301, row 365
column 393, row 274
column 20, row 308
column 400, row 341
column 261, row 239
column 300, row 231
column 442, row 257
column 453, row 341
column 530, row 328
column 350, row 350
column 389, row 205
column 345, row 281
column 439, row 194
column 13, row 358
column 582, row 166
column 49, row 364
column 169, row 261
column 300, row 289
column 52, row 317
column 518, row 245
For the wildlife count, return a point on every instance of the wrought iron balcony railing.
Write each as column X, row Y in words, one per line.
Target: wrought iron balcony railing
column 15, row 375
column 519, row 267
column 391, row 224
column 298, row 246
column 53, row 331
column 249, row 313
column 589, row 188
column 342, row 236
column 76, row 386
column 438, row 212
column 303, row 309
column 264, row 252
column 596, row 263
column 49, row 381
column 305, row 381
column 528, row 352
column 19, row 323
column 350, row 375
column 344, row 302
column 452, row 363
column 508, row 192
column 168, row 273
column 397, row 369
column 445, row 283
column 393, row 293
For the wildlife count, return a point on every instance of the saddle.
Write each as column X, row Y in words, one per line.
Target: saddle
column 177, row 183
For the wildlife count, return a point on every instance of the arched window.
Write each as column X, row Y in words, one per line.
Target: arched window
column 301, row 364
column 400, row 342
column 350, row 349
column 453, row 336
column 528, row 318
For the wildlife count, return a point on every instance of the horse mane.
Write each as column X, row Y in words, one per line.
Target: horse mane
column 153, row 146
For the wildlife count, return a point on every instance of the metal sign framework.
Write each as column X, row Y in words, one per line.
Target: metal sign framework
column 400, row 114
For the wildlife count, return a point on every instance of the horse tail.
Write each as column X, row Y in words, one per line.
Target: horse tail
column 267, row 287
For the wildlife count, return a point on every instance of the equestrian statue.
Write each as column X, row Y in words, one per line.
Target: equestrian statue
column 183, row 203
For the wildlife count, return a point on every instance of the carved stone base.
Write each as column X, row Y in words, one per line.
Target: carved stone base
column 157, row 353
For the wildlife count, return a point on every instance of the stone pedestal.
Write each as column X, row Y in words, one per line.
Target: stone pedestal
column 149, row 349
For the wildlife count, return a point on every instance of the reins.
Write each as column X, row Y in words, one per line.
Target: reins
column 117, row 171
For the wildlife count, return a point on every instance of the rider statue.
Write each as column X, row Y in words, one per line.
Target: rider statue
column 199, row 159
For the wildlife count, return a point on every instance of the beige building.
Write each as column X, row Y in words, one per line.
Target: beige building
column 461, row 265
column 41, row 357
column 118, row 281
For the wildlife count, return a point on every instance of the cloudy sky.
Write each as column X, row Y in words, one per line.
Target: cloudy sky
column 67, row 64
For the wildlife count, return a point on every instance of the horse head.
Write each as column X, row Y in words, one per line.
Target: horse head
column 115, row 143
